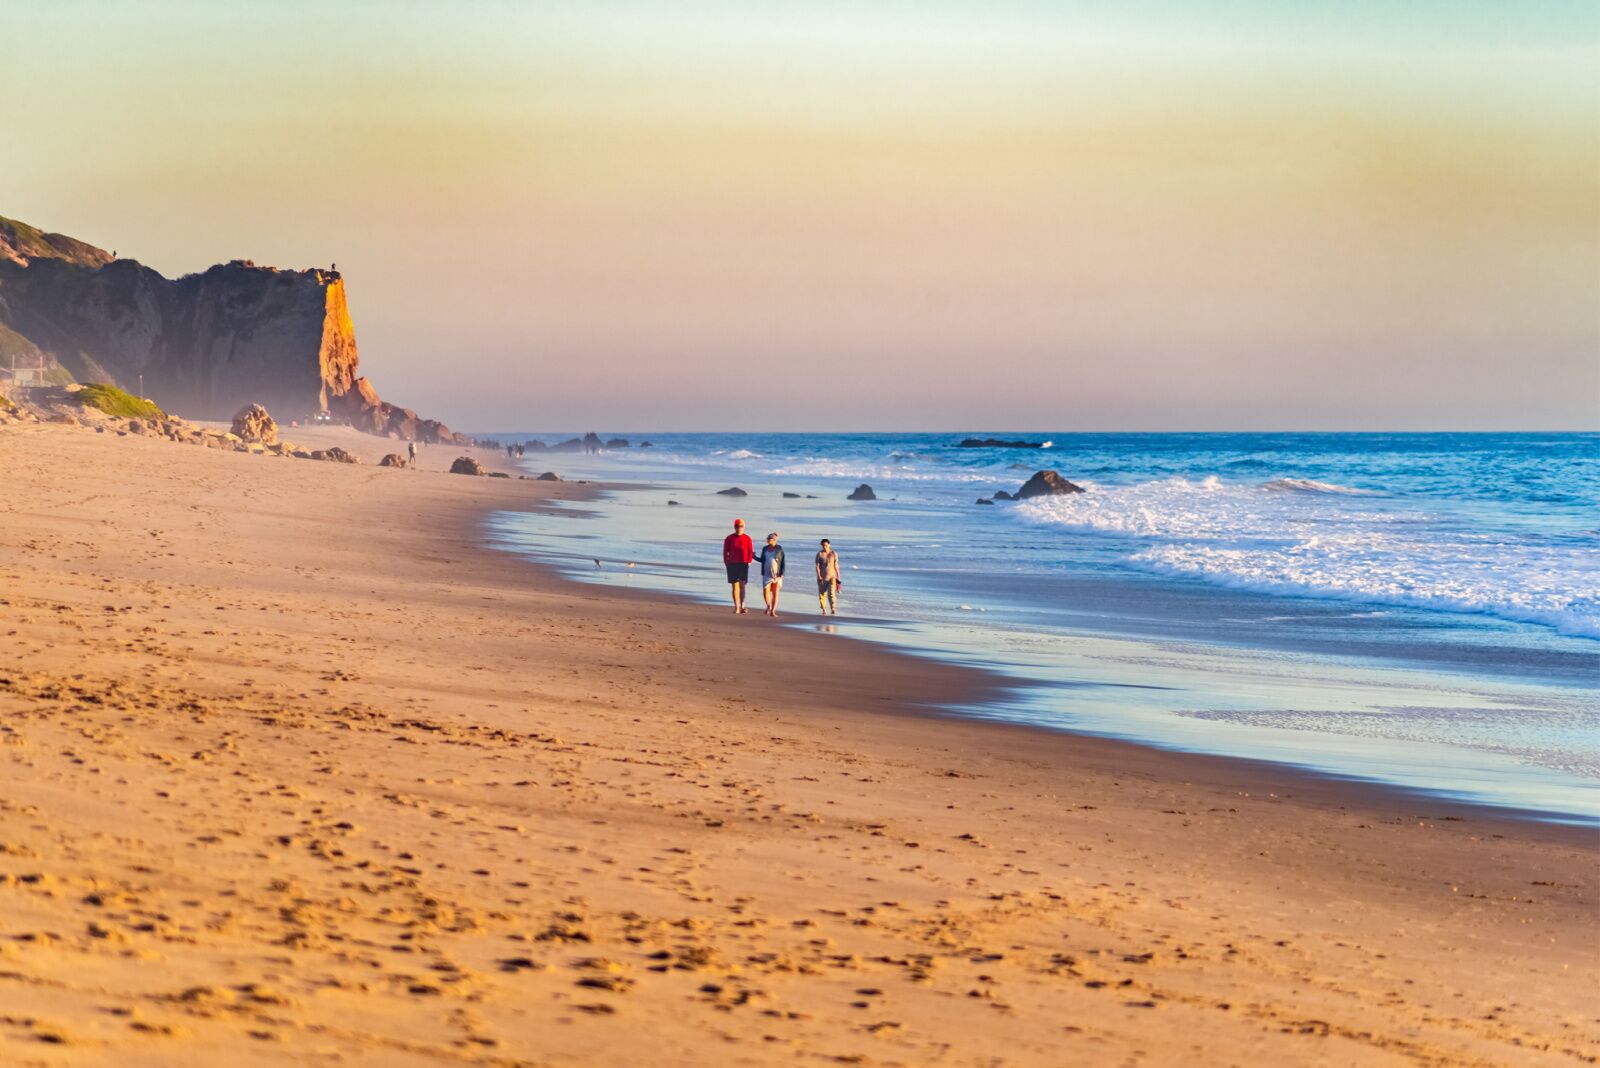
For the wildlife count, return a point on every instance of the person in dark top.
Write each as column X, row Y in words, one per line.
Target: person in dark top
column 771, row 557
column 737, row 552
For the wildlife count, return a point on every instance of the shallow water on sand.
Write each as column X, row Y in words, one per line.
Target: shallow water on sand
column 1438, row 641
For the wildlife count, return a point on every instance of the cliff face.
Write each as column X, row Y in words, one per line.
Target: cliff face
column 207, row 344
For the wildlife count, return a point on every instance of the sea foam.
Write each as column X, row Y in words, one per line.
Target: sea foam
column 1322, row 540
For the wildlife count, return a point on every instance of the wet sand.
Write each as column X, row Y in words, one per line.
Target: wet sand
column 293, row 770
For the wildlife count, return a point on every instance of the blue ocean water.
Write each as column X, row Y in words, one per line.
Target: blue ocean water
column 1421, row 609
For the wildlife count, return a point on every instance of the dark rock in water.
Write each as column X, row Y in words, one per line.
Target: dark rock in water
column 647, row 444
column 862, row 492
column 1003, row 495
column 670, row 504
column 590, row 442
column 997, row 443
column 534, row 446
column 984, row 500
column 792, row 496
column 732, row 491
column 1016, row 467
column 339, row 456
column 811, row 496
column 617, row 443
column 466, row 465
column 1046, row 484
column 392, row 460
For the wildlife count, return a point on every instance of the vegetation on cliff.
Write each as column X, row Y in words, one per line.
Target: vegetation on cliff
column 14, row 345
column 118, row 402
column 20, row 243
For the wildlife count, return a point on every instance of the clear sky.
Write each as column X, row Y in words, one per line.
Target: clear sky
column 880, row 214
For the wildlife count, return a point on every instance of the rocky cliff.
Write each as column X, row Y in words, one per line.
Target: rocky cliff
column 206, row 344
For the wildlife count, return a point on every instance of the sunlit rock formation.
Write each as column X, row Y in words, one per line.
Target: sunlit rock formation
column 205, row 344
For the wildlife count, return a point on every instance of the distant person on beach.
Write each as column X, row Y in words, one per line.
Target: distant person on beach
column 411, row 452
column 828, row 584
column 771, row 557
column 737, row 552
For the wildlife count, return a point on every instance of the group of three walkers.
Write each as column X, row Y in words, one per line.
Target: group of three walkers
column 739, row 552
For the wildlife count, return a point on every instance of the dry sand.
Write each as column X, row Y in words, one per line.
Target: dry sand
column 292, row 771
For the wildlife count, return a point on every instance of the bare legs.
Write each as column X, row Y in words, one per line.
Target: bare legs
column 769, row 594
column 738, row 597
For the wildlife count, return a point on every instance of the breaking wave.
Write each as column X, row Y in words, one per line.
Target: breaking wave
column 1311, row 485
column 821, row 468
column 1326, row 541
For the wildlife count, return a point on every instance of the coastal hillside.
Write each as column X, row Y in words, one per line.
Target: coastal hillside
column 203, row 345
column 20, row 243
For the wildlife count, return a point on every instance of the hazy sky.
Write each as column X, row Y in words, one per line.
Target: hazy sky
column 875, row 214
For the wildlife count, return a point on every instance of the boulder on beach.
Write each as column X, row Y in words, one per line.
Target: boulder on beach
column 498, row 474
column 339, row 456
column 791, row 496
column 549, row 476
column 466, row 465
column 252, row 423
column 673, row 504
column 862, row 492
column 392, row 459
column 1046, row 484
column 732, row 491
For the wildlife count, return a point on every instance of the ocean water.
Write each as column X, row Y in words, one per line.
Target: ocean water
column 1417, row 609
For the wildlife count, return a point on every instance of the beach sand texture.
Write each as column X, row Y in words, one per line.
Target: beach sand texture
column 294, row 771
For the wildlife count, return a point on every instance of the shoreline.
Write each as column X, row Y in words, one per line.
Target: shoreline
column 299, row 768
column 1330, row 787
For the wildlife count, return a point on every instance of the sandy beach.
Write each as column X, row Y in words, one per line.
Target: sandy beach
column 294, row 770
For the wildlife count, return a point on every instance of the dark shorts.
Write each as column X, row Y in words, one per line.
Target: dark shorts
column 738, row 572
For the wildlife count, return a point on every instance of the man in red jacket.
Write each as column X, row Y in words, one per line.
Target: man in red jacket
column 737, row 552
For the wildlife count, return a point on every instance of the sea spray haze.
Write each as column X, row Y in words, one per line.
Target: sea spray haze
column 1456, row 576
